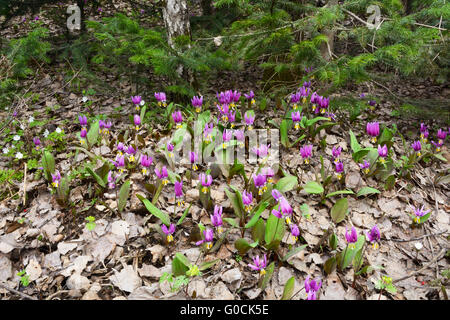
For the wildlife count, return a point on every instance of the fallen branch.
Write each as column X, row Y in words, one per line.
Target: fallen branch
column 437, row 258
column 23, row 295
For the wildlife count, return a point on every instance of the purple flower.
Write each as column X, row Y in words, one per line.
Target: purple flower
column 382, row 152
column 262, row 151
column 216, row 218
column 207, row 132
column 307, row 84
column 177, row 118
column 276, row 194
column 441, row 135
column 295, row 231
column 197, row 102
column 208, row 238
column 339, row 169
column 373, row 130
column 36, row 142
column 56, row 178
column 277, row 213
column 306, row 152
column 136, row 100
column 351, row 237
column 146, row 163
column 304, row 92
column 374, row 236
column 336, row 153
column 83, row 120
column 161, row 98
column 206, row 181
column 250, row 97
column 295, row 98
column 120, row 163
column 323, row 104
column 423, row 128
column 120, row 147
column 226, row 136
column 131, row 151
column 112, row 180
column 365, row 166
column 260, row 183
column 296, row 118
column 247, row 199
column 419, row 212
column 162, row 175
column 269, row 173
column 170, row 147
column 372, row 103
column 312, row 287
column 249, row 118
column 417, row 147
column 362, row 95
column 137, row 121
column 83, row 133
column 438, row 145
column 169, row 231
column 259, row 264
column 179, row 192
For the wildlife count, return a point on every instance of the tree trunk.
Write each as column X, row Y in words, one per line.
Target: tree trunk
column 176, row 20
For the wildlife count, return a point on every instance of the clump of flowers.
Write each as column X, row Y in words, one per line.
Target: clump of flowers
column 259, row 265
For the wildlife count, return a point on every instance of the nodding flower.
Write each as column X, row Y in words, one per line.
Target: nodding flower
column 112, row 180
column 226, row 136
column 161, row 98
column 438, row 145
column 372, row 104
column 131, row 151
column 323, row 104
column 240, row 136
column 232, row 118
column 137, row 121
column 382, row 152
column 276, row 194
column 314, row 99
column 351, row 237
column 260, row 183
column 249, row 118
column 312, row 287
column 247, row 199
column 262, row 151
column 235, row 96
column 170, row 148
column 225, row 97
column 304, row 91
column 168, row 231
column 295, row 231
column 269, row 173
column 193, row 159
column 177, row 118
column 307, row 84
column 207, row 132
column 417, row 147
column 374, row 236
column 336, row 152
column 136, row 100
column 224, row 111
column 206, row 181
column 285, row 209
column 373, row 130
column 179, row 192
column 119, row 163
column 330, row 116
column 441, row 135
column 37, row 142
column 339, row 169
column 83, row 135
column 104, row 126
column 306, row 152
column 296, row 118
column 208, row 238
column 365, row 166
column 162, row 175
column 419, row 212
column 120, row 148
column 216, row 219
column 197, row 102
column 250, row 97
column 295, row 98
column 82, row 120
column 146, row 163
column 259, row 264
column 56, row 178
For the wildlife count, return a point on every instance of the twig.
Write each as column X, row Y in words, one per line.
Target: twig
column 24, row 199
column 439, row 256
column 23, row 295
column 50, row 297
column 414, row 239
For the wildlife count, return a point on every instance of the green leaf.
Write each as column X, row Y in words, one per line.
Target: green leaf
column 354, row 142
column 293, row 252
column 288, row 289
column 297, row 140
column 48, row 163
column 313, row 187
column 258, row 231
column 305, row 210
column 439, row 156
column 339, row 210
column 186, row 211
column 183, row 259
column 339, row 192
column 386, row 137
column 154, row 210
column 274, row 229
column 243, row 246
column 330, row 265
column 231, row 221
column 265, row 280
column 286, row 184
column 97, row 178
column 237, row 204
column 284, row 127
column 333, row 241
column 257, row 214
column 358, row 155
column 92, row 135
column 179, row 267
column 390, row 183
column 207, row 265
column 124, row 192
column 367, row 190
column 310, row 122
column 424, row 218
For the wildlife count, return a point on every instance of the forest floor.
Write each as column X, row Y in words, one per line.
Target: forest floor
column 125, row 256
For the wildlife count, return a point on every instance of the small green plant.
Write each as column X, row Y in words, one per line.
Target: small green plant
column 385, row 283
column 90, row 224
column 24, row 278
